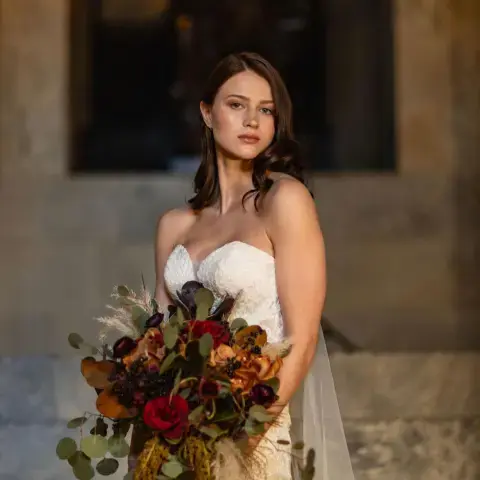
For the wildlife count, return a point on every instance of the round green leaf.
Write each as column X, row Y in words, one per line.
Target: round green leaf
column 95, row 446
column 260, row 414
column 117, row 446
column 274, row 383
column 107, row 466
column 206, row 345
column 238, row 324
column 298, row 446
column 66, row 447
column 76, row 422
column 168, row 362
column 204, row 300
column 170, row 335
column 78, row 457
column 75, row 340
column 172, row 469
column 123, row 291
column 83, row 471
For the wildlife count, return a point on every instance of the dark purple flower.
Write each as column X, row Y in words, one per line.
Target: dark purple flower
column 262, row 394
column 208, row 389
column 154, row 321
column 123, row 346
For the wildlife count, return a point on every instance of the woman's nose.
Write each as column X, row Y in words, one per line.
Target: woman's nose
column 251, row 120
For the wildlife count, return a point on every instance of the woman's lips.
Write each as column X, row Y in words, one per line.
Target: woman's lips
column 250, row 139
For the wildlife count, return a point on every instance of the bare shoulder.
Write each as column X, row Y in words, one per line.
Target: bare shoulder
column 287, row 194
column 173, row 223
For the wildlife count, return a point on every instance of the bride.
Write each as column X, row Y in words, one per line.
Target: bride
column 251, row 231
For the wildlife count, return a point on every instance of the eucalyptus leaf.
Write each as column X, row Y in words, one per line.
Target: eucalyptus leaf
column 260, row 414
column 117, row 446
column 205, row 345
column 168, row 362
column 254, row 428
column 83, row 471
column 76, row 422
column 204, row 300
column 123, row 291
column 139, row 317
column 107, row 466
column 283, row 442
column 66, row 447
column 238, row 324
column 95, row 446
column 170, row 335
column 274, row 383
column 75, row 340
column 213, row 431
column 172, row 469
column 78, row 457
column 185, row 392
column 298, row 446
column 196, row 415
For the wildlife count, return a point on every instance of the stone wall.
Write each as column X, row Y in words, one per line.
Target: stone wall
column 402, row 248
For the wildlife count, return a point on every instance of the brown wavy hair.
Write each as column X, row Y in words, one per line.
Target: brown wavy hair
column 282, row 155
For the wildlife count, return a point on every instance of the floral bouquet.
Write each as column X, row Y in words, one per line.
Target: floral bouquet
column 193, row 386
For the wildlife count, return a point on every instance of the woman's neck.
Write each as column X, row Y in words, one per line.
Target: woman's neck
column 235, row 179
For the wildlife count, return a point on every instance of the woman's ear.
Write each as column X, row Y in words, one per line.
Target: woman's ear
column 206, row 111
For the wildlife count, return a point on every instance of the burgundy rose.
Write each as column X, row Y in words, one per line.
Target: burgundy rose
column 218, row 331
column 262, row 394
column 154, row 321
column 170, row 417
column 123, row 346
column 208, row 389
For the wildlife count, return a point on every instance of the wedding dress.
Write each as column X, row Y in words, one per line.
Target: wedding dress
column 246, row 273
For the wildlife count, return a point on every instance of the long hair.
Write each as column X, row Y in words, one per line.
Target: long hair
column 282, row 155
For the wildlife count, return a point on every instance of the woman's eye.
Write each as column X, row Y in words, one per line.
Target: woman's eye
column 235, row 105
column 266, row 111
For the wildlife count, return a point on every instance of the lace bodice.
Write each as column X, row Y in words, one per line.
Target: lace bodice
column 239, row 270
column 246, row 273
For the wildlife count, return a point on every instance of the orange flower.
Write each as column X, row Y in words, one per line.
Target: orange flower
column 221, row 356
column 253, row 335
column 255, row 369
column 150, row 346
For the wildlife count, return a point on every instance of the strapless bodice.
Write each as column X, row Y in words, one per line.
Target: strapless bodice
column 236, row 269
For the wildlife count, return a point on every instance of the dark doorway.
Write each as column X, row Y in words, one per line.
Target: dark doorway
column 137, row 77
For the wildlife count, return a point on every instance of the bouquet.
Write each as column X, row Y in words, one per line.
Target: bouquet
column 193, row 386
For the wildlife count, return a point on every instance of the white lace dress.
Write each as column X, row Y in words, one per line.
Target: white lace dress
column 247, row 274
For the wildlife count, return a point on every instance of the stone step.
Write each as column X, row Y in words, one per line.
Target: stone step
column 407, row 416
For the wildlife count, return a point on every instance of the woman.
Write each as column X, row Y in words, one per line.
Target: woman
column 251, row 231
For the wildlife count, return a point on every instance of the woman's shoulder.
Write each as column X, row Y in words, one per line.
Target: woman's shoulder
column 287, row 193
column 174, row 222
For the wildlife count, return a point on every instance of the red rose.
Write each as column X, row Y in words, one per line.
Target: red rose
column 218, row 331
column 170, row 417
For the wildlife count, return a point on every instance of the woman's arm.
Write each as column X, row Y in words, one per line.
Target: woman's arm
column 293, row 227
column 171, row 225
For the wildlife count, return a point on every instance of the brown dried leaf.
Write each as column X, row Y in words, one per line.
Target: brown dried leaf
column 97, row 374
column 108, row 405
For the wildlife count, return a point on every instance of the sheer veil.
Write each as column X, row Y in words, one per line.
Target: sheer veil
column 317, row 422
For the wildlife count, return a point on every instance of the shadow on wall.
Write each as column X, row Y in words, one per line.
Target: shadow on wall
column 465, row 68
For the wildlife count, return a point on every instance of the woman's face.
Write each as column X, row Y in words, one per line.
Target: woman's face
column 242, row 116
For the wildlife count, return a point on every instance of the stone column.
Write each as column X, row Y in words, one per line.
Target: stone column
column 423, row 47
column 34, row 46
